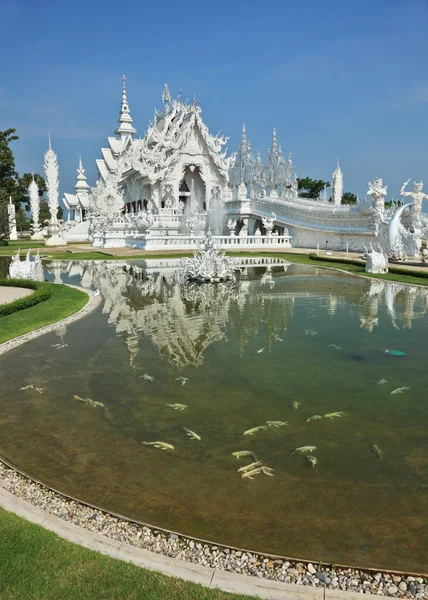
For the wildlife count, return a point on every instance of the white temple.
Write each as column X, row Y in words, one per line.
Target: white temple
column 165, row 189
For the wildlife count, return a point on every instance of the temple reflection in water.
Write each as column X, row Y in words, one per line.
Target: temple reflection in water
column 142, row 299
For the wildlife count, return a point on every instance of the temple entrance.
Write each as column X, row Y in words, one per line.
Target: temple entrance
column 192, row 190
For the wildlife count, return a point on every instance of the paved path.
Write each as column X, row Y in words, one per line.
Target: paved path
column 9, row 293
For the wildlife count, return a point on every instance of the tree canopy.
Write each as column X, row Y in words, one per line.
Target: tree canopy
column 14, row 186
column 349, row 198
column 311, row 188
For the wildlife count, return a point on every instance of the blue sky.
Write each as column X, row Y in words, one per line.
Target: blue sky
column 336, row 78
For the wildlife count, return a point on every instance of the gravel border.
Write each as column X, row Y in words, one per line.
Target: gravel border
column 93, row 302
column 210, row 555
column 173, row 545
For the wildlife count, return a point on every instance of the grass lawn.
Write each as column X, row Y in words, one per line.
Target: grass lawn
column 36, row 564
column 63, row 302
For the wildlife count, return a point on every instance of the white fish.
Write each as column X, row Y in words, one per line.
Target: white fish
column 253, row 465
column 400, row 390
column 295, row 405
column 276, row 423
column 28, row 387
column 304, row 449
column 242, row 453
column 268, row 471
column 192, row 435
column 177, row 406
column 278, row 339
column 147, row 377
column 161, row 445
column 381, row 381
column 260, row 351
column 314, row 418
column 39, row 390
column 61, row 346
column 55, row 345
column 334, row 346
column 183, row 380
column 255, row 430
column 334, row 415
column 249, row 474
column 312, row 460
column 310, row 332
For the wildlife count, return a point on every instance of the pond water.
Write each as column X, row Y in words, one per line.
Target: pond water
column 285, row 343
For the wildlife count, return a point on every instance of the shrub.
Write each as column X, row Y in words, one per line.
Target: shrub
column 4, row 243
column 42, row 291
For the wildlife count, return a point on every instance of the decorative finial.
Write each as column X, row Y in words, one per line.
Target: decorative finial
column 10, row 199
column 49, row 138
column 166, row 96
column 124, row 82
column 274, row 133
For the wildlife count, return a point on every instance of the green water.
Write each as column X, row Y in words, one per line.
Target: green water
column 350, row 508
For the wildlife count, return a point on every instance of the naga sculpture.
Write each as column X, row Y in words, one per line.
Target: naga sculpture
column 26, row 269
column 208, row 263
column 377, row 261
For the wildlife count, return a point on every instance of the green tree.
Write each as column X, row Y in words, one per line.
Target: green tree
column 311, row 188
column 45, row 215
column 349, row 198
column 12, row 185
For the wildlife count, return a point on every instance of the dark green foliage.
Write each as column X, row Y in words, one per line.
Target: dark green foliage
column 311, row 188
column 45, row 215
column 332, row 259
column 42, row 292
column 4, row 243
column 349, row 198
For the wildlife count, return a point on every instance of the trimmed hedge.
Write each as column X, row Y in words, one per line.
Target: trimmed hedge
column 4, row 243
column 361, row 263
column 42, row 292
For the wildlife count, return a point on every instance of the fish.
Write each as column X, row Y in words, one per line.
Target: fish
column 304, row 449
column 400, row 390
column 27, row 387
column 253, row 465
column 80, row 399
column 177, row 406
column 334, row 415
column 61, row 346
column 312, row 460
column 183, row 380
column 377, row 452
column 192, row 435
column 334, row 346
column 310, row 332
column 55, row 345
column 95, row 403
column 278, row 339
column 260, row 351
column 295, row 405
column 395, row 352
column 161, row 445
column 255, row 430
column 268, row 471
column 147, row 377
column 314, row 418
column 249, row 474
column 242, row 453
column 276, row 423
column 381, row 381
column 39, row 390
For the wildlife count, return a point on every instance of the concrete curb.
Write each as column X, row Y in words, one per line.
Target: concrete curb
column 93, row 302
column 173, row 567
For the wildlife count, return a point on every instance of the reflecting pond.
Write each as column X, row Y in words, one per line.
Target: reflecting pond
column 284, row 343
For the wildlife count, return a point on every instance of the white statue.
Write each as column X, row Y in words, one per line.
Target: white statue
column 337, row 181
column 377, row 261
column 191, row 223
column 231, row 225
column 11, row 213
column 52, row 187
column 26, row 269
column 268, row 223
column 417, row 195
column 33, row 192
column 378, row 193
column 208, row 263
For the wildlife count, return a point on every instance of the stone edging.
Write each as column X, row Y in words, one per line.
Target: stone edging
column 93, row 302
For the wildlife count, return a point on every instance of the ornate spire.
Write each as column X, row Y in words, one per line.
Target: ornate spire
column 166, row 96
column 243, row 168
column 81, row 183
column 337, row 180
column 276, row 169
column 52, row 181
column 33, row 192
column 125, row 129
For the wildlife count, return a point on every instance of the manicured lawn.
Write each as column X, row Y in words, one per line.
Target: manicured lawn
column 63, row 302
column 36, row 564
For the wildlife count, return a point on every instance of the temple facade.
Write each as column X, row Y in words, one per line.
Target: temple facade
column 165, row 189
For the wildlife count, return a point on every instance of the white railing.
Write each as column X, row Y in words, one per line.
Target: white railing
column 226, row 242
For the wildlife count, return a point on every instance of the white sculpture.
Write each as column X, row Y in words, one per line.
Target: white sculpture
column 52, row 187
column 231, row 225
column 33, row 192
column 268, row 223
column 26, row 269
column 377, row 261
column 11, row 214
column 208, row 263
column 416, row 194
column 337, row 183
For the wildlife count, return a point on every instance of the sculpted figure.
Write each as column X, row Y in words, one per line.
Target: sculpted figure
column 378, row 193
column 416, row 194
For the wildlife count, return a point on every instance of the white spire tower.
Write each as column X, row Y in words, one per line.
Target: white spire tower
column 52, row 187
column 337, row 184
column 11, row 213
column 33, row 192
column 125, row 129
column 166, row 96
